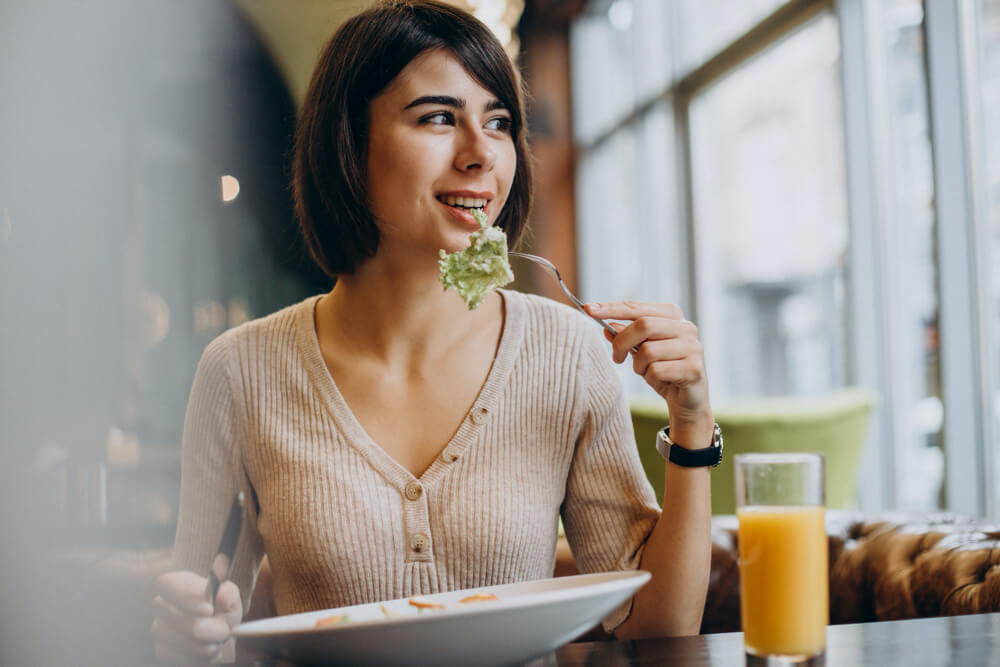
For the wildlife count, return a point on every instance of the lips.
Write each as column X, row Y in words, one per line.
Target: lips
column 465, row 199
column 462, row 215
column 463, row 202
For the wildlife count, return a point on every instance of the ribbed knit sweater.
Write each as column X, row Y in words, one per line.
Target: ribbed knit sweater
column 343, row 523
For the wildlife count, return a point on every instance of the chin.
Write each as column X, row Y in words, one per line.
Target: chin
column 455, row 242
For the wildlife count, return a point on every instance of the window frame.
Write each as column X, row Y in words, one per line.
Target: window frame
column 961, row 266
column 958, row 174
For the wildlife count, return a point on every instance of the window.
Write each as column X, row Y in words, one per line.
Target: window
column 620, row 59
column 988, row 66
column 908, row 229
column 630, row 237
column 710, row 24
column 824, row 180
column 770, row 219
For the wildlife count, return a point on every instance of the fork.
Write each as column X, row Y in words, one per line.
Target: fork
column 576, row 302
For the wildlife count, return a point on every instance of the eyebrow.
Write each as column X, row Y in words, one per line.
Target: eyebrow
column 449, row 101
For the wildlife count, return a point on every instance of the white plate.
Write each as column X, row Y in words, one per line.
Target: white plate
column 529, row 619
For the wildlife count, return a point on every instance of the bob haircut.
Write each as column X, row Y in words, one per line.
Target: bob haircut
column 331, row 139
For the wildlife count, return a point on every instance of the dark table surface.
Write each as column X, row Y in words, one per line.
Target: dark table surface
column 953, row 640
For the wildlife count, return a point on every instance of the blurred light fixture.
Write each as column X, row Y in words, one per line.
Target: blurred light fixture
column 239, row 311
column 500, row 16
column 230, row 188
column 209, row 318
column 155, row 318
column 620, row 14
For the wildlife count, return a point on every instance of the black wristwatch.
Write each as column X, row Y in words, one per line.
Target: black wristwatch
column 690, row 458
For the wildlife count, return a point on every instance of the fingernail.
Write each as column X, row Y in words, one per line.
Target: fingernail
column 593, row 306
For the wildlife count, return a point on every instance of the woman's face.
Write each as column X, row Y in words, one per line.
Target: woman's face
column 439, row 145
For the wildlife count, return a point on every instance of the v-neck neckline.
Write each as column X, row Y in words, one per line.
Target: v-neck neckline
column 472, row 423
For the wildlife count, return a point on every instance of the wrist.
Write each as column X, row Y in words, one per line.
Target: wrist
column 692, row 434
column 691, row 456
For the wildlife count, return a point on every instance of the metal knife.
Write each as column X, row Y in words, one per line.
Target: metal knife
column 221, row 566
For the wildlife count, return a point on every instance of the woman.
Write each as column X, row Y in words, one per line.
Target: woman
column 393, row 441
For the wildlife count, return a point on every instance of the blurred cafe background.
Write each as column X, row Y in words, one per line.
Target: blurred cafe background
column 816, row 183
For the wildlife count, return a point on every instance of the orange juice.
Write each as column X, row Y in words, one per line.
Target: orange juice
column 783, row 579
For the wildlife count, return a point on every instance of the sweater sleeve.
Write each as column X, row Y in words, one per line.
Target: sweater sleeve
column 610, row 507
column 212, row 473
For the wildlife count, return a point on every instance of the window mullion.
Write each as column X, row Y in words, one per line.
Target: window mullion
column 961, row 370
column 867, row 312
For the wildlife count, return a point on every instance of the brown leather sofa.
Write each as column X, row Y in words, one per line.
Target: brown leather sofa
column 883, row 567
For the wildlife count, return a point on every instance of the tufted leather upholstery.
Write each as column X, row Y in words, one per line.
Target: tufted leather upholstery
column 882, row 567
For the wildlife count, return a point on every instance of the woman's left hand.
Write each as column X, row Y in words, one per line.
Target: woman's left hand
column 669, row 355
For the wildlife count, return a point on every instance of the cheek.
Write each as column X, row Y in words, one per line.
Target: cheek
column 392, row 174
column 507, row 168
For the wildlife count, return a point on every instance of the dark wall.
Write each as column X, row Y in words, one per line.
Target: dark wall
column 119, row 262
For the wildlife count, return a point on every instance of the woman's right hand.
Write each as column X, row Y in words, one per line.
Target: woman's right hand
column 186, row 628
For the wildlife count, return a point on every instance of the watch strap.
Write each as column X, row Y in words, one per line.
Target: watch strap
column 694, row 458
column 690, row 458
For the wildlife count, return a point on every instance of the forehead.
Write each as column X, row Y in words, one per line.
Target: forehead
column 435, row 71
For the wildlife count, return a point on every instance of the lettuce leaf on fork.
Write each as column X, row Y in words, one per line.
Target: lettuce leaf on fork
column 480, row 268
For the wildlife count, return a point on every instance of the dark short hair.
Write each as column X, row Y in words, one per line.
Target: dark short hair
column 331, row 139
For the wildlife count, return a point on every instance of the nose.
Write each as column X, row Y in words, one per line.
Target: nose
column 474, row 151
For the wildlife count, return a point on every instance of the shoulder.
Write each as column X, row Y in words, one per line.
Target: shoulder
column 237, row 349
column 560, row 334
column 545, row 316
column 278, row 328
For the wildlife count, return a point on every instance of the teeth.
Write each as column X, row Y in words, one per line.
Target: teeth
column 464, row 202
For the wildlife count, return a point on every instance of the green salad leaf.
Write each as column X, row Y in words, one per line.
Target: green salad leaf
column 480, row 268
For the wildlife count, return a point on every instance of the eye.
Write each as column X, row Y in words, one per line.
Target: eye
column 438, row 118
column 499, row 124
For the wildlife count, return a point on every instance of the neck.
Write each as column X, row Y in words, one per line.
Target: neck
column 402, row 316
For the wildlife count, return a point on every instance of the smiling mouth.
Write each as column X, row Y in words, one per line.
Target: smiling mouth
column 463, row 203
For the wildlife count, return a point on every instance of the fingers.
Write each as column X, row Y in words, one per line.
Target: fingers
column 676, row 349
column 186, row 591
column 200, row 629
column 632, row 310
column 677, row 373
column 182, row 631
column 220, row 566
column 646, row 329
column 228, row 604
column 178, row 647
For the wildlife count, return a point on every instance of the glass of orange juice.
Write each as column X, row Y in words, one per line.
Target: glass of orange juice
column 784, row 589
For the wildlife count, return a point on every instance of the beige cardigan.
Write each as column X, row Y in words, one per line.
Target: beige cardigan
column 343, row 523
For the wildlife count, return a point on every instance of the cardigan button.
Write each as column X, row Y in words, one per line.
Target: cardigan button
column 420, row 543
column 479, row 416
column 413, row 490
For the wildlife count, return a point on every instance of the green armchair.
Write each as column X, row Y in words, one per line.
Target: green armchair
column 835, row 425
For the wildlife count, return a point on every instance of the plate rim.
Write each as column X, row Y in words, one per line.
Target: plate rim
column 242, row 631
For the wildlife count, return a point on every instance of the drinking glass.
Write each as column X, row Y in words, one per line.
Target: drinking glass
column 784, row 590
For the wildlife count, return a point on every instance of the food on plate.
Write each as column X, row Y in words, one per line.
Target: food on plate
column 336, row 619
column 421, row 602
column 480, row 268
